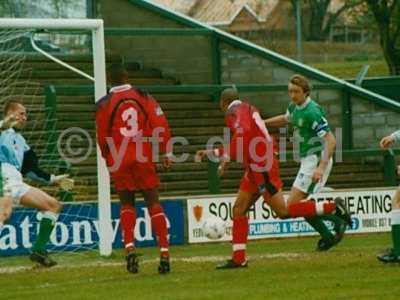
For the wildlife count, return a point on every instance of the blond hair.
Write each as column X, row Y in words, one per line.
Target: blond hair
column 10, row 105
column 302, row 82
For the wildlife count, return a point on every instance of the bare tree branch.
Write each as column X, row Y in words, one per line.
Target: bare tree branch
column 389, row 31
column 333, row 17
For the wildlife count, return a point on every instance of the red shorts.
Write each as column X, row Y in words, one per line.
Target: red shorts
column 267, row 183
column 136, row 176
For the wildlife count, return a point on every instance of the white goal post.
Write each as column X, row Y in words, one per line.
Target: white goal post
column 97, row 30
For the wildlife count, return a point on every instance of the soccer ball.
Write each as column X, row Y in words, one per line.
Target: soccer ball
column 214, row 228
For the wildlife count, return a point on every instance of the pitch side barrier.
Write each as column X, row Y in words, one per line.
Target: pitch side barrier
column 77, row 227
column 369, row 207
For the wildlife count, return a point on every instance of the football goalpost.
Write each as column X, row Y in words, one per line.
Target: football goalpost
column 96, row 28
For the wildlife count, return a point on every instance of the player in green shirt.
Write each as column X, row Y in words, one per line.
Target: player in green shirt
column 393, row 254
column 316, row 146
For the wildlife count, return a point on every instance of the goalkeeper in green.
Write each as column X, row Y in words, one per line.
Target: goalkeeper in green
column 393, row 254
column 317, row 145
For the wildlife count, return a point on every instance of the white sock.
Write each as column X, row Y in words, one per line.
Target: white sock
column 48, row 215
column 395, row 216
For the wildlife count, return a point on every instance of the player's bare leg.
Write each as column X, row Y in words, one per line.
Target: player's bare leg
column 50, row 209
column 277, row 204
column 392, row 255
column 243, row 202
column 128, row 223
column 159, row 225
column 5, row 210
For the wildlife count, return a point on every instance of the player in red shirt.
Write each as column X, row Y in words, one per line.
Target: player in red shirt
column 252, row 145
column 130, row 124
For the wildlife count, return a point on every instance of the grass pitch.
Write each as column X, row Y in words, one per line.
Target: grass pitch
column 278, row 269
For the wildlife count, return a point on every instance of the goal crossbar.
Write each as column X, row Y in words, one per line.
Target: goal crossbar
column 19, row 23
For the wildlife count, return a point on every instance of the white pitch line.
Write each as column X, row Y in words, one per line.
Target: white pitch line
column 191, row 259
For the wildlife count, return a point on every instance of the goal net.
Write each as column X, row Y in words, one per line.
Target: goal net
column 35, row 63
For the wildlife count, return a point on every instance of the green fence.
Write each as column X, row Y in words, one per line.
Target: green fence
column 388, row 156
column 386, row 86
column 350, row 95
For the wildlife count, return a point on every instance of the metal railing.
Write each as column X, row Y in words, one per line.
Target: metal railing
column 213, row 180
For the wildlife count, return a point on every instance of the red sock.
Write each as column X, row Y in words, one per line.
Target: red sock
column 310, row 208
column 159, row 224
column 128, row 222
column 240, row 232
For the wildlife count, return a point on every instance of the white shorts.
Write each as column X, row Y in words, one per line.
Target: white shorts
column 304, row 181
column 13, row 184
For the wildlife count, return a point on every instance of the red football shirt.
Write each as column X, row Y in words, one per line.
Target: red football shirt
column 126, row 118
column 250, row 141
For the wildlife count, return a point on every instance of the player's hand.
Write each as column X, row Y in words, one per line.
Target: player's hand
column 63, row 181
column 54, row 179
column 10, row 121
column 386, row 142
column 222, row 167
column 166, row 162
column 200, row 155
column 317, row 175
column 398, row 170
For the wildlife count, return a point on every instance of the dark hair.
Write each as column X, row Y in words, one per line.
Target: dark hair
column 302, row 82
column 117, row 73
column 11, row 104
column 229, row 94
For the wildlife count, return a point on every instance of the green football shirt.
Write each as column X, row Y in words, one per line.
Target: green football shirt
column 310, row 126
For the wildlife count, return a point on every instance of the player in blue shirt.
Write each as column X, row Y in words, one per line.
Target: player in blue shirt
column 17, row 159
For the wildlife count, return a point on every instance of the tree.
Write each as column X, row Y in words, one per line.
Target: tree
column 321, row 19
column 41, row 8
column 10, row 8
column 387, row 17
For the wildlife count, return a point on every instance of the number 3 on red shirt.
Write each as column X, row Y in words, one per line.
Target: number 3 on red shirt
column 130, row 116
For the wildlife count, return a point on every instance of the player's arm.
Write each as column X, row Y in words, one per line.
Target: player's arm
column 277, row 121
column 225, row 154
column 231, row 151
column 159, row 122
column 160, row 126
column 321, row 128
column 223, row 160
column 329, row 149
column 30, row 168
column 390, row 140
column 396, row 136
